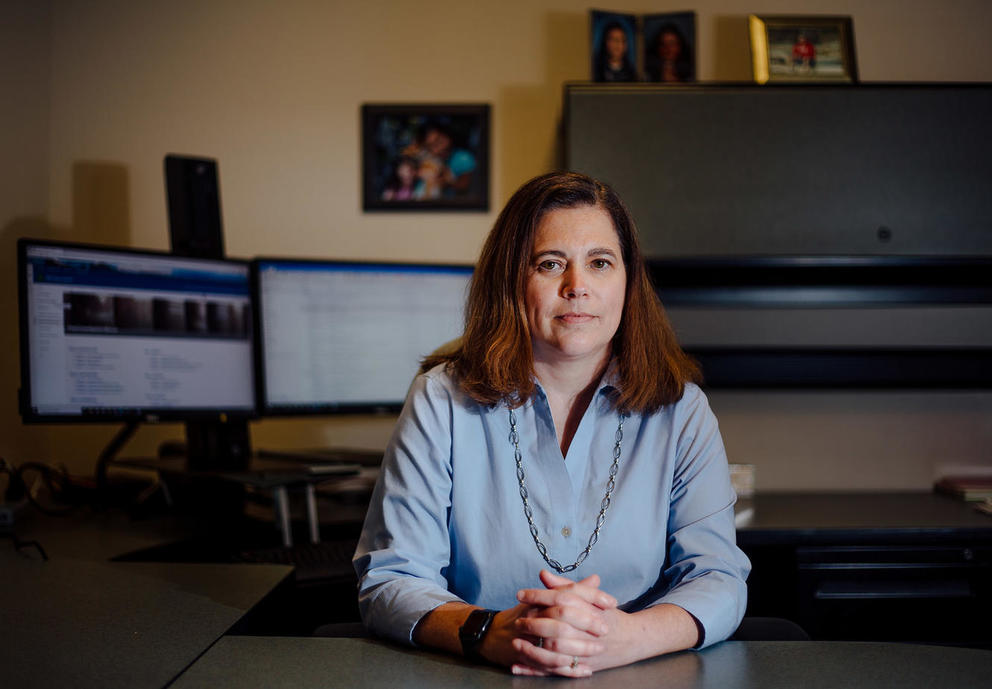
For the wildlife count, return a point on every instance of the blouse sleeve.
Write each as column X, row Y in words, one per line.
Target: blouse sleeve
column 705, row 571
column 404, row 548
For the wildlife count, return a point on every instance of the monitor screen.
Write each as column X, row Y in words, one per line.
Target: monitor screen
column 122, row 334
column 348, row 337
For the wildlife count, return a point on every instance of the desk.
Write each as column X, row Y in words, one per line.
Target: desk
column 866, row 518
column 880, row 566
column 248, row 662
column 79, row 621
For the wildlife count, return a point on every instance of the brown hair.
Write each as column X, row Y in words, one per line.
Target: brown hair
column 494, row 361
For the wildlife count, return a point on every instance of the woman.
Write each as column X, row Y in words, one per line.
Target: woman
column 612, row 61
column 565, row 434
column 668, row 59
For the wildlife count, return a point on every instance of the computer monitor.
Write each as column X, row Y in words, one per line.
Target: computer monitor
column 115, row 334
column 336, row 336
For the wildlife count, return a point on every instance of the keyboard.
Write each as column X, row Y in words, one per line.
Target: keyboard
column 327, row 560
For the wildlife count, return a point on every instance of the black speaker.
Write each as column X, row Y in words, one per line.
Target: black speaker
column 193, row 194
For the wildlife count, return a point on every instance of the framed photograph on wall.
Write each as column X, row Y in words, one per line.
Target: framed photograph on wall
column 802, row 49
column 670, row 47
column 614, row 46
column 425, row 157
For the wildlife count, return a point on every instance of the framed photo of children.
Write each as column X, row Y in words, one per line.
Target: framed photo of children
column 802, row 49
column 425, row 157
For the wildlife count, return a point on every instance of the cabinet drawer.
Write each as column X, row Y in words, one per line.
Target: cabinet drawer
column 897, row 593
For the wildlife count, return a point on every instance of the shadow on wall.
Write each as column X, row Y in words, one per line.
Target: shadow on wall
column 101, row 215
column 101, row 203
column 528, row 117
column 732, row 49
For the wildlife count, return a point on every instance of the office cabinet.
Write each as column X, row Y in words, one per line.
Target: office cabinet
column 889, row 567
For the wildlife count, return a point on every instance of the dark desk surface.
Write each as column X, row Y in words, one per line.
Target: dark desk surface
column 81, row 621
column 247, row 662
column 77, row 620
column 866, row 517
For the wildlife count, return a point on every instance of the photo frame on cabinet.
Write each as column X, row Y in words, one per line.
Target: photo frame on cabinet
column 670, row 47
column 614, row 46
column 425, row 157
column 802, row 49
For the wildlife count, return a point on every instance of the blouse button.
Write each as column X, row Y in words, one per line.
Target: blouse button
column 566, row 532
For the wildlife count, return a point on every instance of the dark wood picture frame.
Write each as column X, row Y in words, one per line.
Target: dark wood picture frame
column 419, row 157
column 608, row 31
column 669, row 41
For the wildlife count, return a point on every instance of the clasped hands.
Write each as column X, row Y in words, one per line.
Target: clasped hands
column 567, row 628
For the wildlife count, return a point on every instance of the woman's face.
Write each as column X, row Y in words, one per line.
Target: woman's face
column 576, row 286
column 669, row 47
column 616, row 44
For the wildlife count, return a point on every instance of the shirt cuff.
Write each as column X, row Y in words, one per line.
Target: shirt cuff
column 393, row 609
column 708, row 600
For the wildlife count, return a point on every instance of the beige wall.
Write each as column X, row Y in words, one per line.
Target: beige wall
column 25, row 79
column 273, row 91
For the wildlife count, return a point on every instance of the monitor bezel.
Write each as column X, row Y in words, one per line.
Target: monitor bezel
column 378, row 408
column 146, row 415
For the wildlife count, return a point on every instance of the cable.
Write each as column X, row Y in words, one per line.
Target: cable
column 20, row 545
column 15, row 492
column 61, row 488
column 15, row 489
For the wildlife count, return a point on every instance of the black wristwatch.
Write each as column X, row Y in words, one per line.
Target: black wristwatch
column 474, row 631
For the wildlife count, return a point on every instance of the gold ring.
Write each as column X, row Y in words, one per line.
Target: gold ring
column 575, row 662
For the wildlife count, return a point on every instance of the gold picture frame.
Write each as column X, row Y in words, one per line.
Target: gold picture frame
column 802, row 49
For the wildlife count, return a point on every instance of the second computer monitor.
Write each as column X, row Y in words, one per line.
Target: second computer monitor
column 339, row 336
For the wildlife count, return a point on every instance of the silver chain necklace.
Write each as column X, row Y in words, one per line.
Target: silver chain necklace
column 600, row 519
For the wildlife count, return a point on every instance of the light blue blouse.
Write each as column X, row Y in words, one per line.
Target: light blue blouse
column 446, row 522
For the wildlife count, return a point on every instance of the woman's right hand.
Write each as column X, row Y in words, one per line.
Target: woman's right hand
column 516, row 634
column 507, row 645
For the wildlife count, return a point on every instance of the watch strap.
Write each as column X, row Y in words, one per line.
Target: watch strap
column 474, row 631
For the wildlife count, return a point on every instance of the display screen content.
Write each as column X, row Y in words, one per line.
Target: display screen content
column 115, row 333
column 338, row 336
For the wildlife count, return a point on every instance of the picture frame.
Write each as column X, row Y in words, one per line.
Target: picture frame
column 614, row 46
column 425, row 157
column 802, row 49
column 669, row 47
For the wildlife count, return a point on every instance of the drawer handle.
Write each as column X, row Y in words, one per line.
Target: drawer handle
column 855, row 590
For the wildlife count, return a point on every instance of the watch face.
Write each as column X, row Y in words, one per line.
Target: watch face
column 474, row 630
column 474, row 624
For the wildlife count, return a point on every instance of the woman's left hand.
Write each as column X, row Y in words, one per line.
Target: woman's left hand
column 562, row 612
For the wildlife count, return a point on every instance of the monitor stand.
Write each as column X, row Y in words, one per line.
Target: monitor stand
column 216, row 504
column 217, row 445
column 107, row 456
column 212, row 446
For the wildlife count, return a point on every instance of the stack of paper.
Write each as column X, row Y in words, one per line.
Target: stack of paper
column 970, row 488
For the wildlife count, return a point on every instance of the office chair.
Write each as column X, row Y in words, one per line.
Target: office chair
column 769, row 629
column 342, row 630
